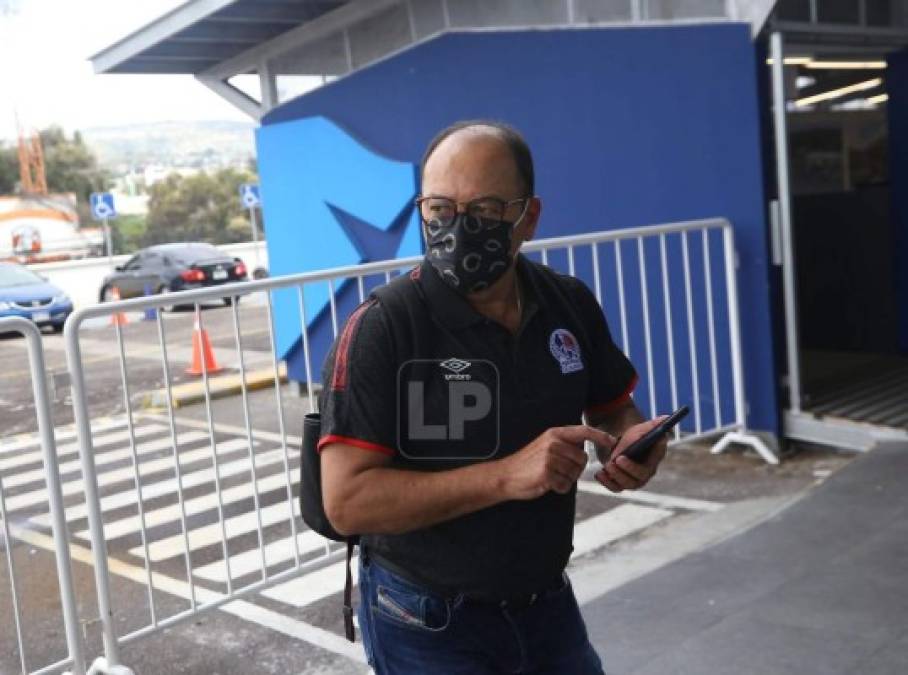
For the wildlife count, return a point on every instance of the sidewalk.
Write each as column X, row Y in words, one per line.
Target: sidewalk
column 822, row 587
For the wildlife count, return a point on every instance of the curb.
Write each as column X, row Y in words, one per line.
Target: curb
column 219, row 386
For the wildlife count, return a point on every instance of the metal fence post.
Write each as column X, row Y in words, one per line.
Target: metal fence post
column 731, row 284
column 54, row 492
column 111, row 661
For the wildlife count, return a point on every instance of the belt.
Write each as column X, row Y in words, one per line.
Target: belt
column 514, row 602
column 519, row 601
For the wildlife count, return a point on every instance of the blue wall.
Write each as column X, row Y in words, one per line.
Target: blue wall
column 897, row 87
column 628, row 127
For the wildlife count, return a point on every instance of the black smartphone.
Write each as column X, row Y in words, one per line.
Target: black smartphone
column 639, row 450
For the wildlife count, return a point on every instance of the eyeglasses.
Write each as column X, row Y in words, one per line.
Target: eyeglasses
column 443, row 210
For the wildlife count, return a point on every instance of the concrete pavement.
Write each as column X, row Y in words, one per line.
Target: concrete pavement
column 819, row 587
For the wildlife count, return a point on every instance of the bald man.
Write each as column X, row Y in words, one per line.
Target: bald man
column 453, row 429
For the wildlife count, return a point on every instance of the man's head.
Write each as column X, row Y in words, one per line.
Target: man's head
column 487, row 165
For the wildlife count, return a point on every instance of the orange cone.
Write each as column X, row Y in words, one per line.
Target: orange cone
column 201, row 349
column 117, row 318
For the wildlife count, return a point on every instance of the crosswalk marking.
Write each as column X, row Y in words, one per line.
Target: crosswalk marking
column 596, row 532
column 35, row 456
column 168, row 486
column 211, row 534
column 32, row 440
column 110, row 478
column 314, row 586
column 639, row 511
column 250, row 561
column 104, row 458
column 651, row 498
column 167, row 514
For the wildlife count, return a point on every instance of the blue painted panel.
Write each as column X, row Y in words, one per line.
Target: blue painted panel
column 328, row 201
column 628, row 127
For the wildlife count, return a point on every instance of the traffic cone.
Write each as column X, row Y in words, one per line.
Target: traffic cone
column 201, row 349
column 117, row 318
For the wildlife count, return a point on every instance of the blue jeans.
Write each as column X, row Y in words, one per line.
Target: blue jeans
column 407, row 630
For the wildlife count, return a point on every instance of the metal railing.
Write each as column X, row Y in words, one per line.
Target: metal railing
column 670, row 295
column 11, row 531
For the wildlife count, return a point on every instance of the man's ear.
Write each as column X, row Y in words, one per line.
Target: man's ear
column 531, row 218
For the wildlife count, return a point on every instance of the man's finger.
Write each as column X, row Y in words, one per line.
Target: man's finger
column 604, row 479
column 579, row 433
column 623, row 478
column 571, row 453
column 639, row 471
column 565, row 468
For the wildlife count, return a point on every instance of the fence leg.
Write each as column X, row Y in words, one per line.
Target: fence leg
column 101, row 667
column 752, row 440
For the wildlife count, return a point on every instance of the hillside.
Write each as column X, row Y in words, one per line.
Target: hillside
column 171, row 144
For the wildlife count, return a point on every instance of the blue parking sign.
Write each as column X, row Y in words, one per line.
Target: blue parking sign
column 249, row 196
column 102, row 205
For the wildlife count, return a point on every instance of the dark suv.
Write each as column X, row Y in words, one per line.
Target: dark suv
column 166, row 268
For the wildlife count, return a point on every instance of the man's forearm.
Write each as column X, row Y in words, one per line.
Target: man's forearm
column 393, row 501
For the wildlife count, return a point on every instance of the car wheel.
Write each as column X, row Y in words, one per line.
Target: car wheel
column 58, row 327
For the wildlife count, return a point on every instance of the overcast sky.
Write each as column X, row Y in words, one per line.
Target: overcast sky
column 45, row 74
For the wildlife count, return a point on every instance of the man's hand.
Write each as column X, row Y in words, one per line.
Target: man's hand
column 554, row 460
column 620, row 473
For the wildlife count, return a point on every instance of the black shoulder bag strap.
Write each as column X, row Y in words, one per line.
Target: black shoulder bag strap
column 349, row 628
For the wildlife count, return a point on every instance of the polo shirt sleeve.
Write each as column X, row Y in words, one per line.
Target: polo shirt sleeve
column 358, row 400
column 611, row 375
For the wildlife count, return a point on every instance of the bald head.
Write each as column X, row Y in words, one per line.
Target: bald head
column 476, row 135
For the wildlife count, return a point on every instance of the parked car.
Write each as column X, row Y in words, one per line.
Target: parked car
column 167, row 268
column 24, row 293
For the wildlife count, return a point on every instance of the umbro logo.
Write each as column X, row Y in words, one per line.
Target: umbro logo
column 455, row 365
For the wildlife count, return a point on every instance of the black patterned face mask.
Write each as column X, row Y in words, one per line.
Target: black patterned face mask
column 471, row 253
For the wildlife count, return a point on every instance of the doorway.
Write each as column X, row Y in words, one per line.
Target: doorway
column 850, row 369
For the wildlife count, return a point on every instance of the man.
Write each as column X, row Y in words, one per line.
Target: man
column 452, row 435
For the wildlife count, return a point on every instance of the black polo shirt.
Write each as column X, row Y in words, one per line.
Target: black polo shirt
column 419, row 375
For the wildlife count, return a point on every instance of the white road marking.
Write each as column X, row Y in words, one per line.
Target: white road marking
column 33, row 439
column 75, row 487
column 250, row 561
column 105, row 458
column 165, row 487
column 172, row 513
column 314, row 586
column 664, row 501
column 162, row 549
column 241, row 609
column 36, row 456
column 293, row 442
column 612, row 525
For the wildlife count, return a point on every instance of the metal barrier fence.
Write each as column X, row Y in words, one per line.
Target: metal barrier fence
column 252, row 539
column 11, row 455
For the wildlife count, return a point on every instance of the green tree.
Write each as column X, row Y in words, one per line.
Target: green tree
column 127, row 233
column 202, row 207
column 69, row 164
column 72, row 167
